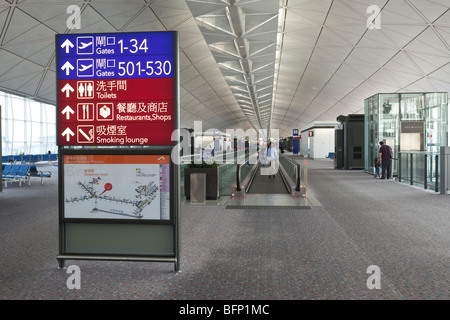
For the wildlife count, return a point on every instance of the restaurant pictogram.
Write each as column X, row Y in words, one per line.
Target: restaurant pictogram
column 85, row 111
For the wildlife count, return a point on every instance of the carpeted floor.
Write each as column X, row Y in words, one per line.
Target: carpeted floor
column 322, row 253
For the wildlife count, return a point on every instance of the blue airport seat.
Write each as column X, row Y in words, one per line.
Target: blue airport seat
column 48, row 157
column 6, row 168
column 14, row 170
column 34, row 172
column 331, row 155
column 18, row 173
column 33, row 158
column 24, row 171
column 30, row 158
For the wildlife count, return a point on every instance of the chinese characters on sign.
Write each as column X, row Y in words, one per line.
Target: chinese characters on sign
column 116, row 89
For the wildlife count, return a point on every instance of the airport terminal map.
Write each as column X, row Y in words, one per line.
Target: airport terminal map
column 117, row 187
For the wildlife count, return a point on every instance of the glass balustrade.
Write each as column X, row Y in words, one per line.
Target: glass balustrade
column 420, row 169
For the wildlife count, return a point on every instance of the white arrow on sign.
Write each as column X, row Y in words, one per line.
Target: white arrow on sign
column 67, row 44
column 67, row 110
column 67, row 133
column 67, row 88
column 67, row 67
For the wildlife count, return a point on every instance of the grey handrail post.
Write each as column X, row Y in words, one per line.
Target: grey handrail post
column 444, row 173
column 238, row 177
column 399, row 167
column 297, row 185
column 425, row 169
column 411, row 169
column 437, row 173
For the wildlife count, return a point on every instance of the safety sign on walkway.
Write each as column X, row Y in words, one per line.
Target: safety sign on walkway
column 116, row 89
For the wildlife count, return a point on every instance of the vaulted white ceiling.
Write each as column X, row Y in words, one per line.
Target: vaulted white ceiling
column 250, row 63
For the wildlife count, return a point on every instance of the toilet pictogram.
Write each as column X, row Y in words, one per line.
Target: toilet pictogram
column 85, row 89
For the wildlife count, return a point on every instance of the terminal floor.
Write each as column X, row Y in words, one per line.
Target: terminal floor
column 354, row 222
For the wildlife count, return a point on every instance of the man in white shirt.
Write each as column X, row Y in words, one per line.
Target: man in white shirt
column 272, row 158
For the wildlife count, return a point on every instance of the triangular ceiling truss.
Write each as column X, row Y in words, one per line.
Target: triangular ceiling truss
column 242, row 36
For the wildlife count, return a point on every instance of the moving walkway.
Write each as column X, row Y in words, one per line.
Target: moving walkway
column 290, row 178
column 241, row 181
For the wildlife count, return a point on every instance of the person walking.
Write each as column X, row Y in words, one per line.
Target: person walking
column 272, row 157
column 385, row 155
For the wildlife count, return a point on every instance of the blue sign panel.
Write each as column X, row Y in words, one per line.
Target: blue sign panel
column 295, row 142
column 112, row 81
column 116, row 56
column 117, row 67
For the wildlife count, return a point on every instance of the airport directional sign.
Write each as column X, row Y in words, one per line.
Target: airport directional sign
column 116, row 89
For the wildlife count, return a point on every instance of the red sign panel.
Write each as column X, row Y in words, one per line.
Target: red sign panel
column 116, row 112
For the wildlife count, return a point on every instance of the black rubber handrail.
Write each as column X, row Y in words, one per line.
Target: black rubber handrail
column 238, row 172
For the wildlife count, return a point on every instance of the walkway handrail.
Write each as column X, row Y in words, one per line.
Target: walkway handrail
column 238, row 177
column 297, row 172
column 238, row 170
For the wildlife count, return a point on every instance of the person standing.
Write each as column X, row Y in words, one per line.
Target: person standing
column 385, row 155
column 376, row 169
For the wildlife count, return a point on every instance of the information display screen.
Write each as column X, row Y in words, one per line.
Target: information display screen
column 117, row 187
column 116, row 89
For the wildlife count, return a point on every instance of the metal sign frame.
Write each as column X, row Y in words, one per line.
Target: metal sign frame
column 103, row 224
column 87, row 239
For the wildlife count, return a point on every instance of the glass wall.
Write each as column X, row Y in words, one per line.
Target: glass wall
column 436, row 121
column 382, row 124
column 421, row 119
column 28, row 127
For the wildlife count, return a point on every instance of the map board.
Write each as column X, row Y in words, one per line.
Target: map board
column 117, row 187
